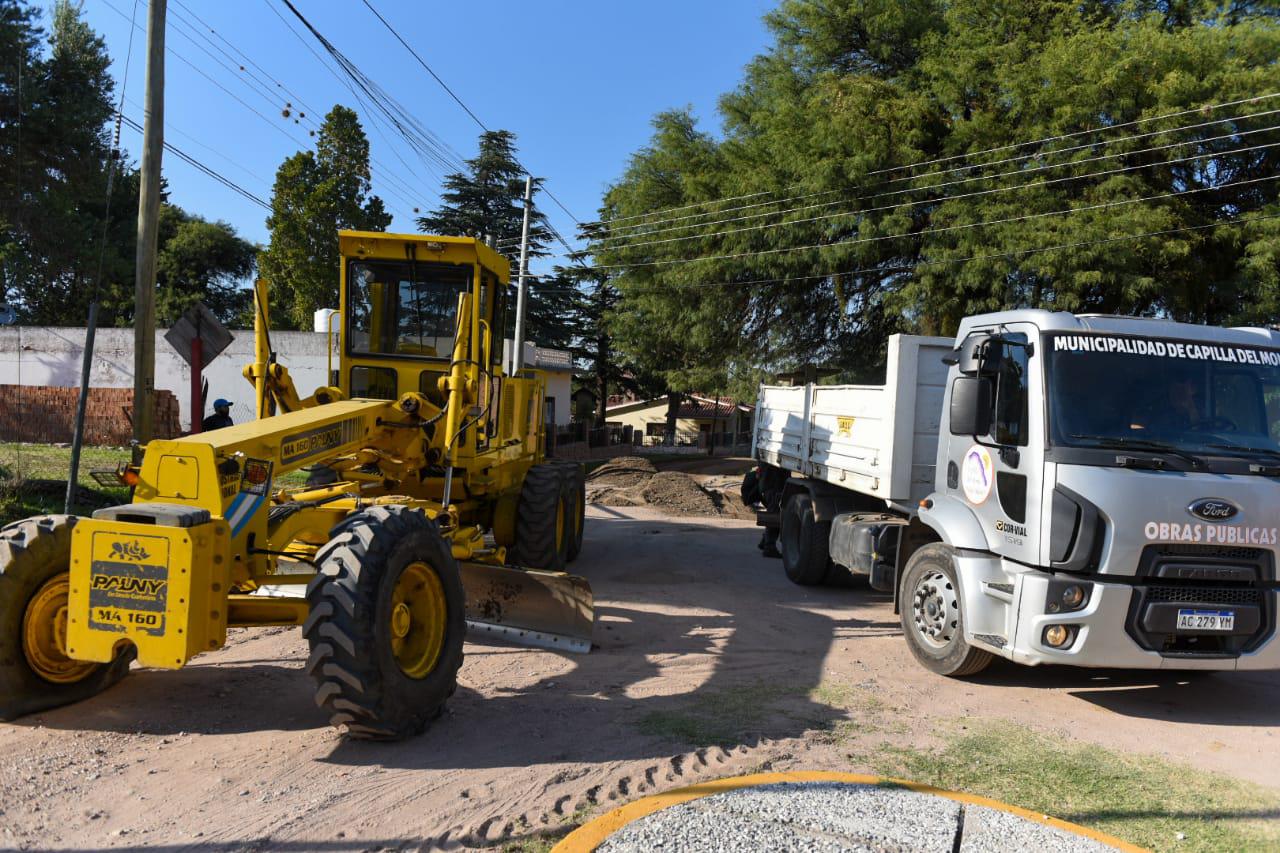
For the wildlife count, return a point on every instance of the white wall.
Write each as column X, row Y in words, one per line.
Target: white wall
column 42, row 355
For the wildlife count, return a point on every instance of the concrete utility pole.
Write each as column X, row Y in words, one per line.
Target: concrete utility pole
column 144, row 322
column 517, row 357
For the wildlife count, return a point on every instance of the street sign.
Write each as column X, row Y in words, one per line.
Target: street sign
column 199, row 322
column 7, row 315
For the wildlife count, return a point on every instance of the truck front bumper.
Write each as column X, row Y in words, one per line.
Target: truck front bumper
column 1121, row 626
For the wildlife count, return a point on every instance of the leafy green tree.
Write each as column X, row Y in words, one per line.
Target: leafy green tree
column 487, row 202
column 57, row 153
column 202, row 261
column 56, row 234
column 813, row 234
column 317, row 193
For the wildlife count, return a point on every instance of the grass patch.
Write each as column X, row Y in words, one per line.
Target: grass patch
column 718, row 718
column 1143, row 800
column 33, row 479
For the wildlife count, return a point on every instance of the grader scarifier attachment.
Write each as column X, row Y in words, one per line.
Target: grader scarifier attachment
column 430, row 510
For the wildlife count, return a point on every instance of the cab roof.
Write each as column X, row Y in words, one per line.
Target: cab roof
column 1115, row 324
column 430, row 247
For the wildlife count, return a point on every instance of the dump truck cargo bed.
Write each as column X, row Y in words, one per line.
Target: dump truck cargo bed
column 880, row 440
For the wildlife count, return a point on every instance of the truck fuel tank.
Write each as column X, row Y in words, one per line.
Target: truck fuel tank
column 867, row 544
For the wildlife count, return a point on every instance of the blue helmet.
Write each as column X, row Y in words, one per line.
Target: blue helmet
column 221, row 404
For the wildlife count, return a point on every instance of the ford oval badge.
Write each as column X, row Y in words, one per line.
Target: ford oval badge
column 1213, row 509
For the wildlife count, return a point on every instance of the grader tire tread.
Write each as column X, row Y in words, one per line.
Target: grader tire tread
column 541, row 495
column 31, row 552
column 358, row 683
column 576, row 480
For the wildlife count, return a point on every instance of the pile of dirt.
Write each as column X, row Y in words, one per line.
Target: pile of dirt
column 676, row 493
column 622, row 472
column 635, row 481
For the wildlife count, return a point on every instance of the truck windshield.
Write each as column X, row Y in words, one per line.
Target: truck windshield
column 403, row 309
column 1192, row 396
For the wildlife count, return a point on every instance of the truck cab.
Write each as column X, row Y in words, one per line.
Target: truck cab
column 1107, row 489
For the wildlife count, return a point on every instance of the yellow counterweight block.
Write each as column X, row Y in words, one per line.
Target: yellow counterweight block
column 154, row 576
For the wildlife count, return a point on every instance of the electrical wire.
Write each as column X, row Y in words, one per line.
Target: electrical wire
column 952, row 197
column 206, row 169
column 944, row 229
column 953, row 157
column 1014, row 172
column 898, row 268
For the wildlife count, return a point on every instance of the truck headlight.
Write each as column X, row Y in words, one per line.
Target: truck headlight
column 1065, row 596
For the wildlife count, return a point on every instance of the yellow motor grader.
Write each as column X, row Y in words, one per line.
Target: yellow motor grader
column 430, row 509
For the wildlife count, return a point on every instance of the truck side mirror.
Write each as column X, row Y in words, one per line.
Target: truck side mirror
column 980, row 355
column 970, row 406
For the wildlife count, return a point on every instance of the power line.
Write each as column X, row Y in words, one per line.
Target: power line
column 206, row 169
column 401, row 190
column 950, row 158
column 469, row 112
column 948, row 228
column 634, row 230
column 883, row 269
column 951, row 197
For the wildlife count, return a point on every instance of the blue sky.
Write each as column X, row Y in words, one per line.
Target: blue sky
column 577, row 81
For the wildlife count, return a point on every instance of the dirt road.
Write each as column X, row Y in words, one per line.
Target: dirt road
column 700, row 641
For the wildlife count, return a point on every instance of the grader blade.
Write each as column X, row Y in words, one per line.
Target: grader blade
column 549, row 610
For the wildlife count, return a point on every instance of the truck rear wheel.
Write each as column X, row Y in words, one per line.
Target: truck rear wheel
column 543, row 529
column 387, row 623
column 932, row 616
column 804, row 541
column 36, row 673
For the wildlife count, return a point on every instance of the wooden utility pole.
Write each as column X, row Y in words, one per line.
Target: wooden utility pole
column 144, row 321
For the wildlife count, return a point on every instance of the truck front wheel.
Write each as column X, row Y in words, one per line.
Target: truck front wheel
column 804, row 541
column 933, row 617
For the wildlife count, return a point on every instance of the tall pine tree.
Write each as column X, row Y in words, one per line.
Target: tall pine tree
column 487, row 202
column 317, row 193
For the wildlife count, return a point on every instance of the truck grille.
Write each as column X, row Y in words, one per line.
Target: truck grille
column 1205, row 594
column 1202, row 576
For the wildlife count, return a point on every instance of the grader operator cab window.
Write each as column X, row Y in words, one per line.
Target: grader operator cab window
column 404, row 309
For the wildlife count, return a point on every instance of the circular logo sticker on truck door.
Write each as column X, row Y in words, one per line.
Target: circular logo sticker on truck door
column 977, row 474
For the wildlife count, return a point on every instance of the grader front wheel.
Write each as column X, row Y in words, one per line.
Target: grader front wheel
column 36, row 672
column 386, row 625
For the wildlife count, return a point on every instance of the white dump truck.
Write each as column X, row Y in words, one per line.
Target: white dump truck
column 1089, row 490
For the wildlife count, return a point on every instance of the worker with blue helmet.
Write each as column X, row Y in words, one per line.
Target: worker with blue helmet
column 220, row 418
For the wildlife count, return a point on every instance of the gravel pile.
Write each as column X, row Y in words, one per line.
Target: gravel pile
column 830, row 816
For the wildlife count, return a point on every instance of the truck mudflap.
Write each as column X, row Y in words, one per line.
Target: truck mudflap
column 1116, row 620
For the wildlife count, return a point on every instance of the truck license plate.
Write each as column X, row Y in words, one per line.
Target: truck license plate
column 1206, row 620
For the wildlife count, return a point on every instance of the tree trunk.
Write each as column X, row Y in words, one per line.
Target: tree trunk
column 673, row 409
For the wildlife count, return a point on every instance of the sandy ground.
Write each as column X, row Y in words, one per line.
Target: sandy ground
column 692, row 624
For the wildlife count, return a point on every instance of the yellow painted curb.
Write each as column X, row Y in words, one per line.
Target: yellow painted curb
column 589, row 836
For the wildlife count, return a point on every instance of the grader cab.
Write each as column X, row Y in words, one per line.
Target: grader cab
column 429, row 508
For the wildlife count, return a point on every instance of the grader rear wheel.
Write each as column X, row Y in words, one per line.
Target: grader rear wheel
column 36, row 673
column 543, row 517
column 576, row 483
column 386, row 625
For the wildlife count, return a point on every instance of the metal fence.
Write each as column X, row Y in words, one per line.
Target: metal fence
column 33, row 478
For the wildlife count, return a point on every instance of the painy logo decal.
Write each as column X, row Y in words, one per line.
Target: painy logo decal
column 977, row 474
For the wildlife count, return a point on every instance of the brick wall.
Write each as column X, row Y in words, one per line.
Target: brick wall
column 48, row 415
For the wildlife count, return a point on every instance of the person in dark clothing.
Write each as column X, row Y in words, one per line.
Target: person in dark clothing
column 763, row 486
column 220, row 418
